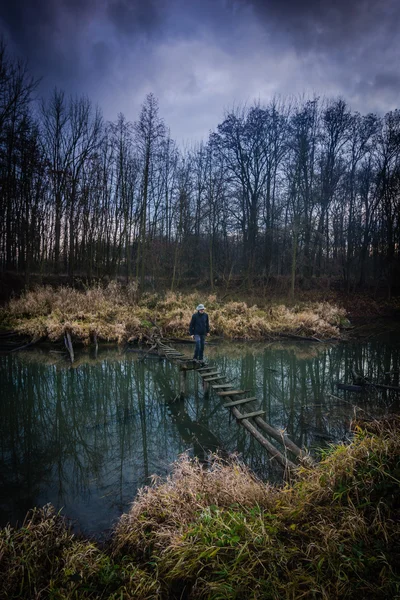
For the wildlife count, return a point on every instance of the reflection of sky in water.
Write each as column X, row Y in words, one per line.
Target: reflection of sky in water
column 86, row 438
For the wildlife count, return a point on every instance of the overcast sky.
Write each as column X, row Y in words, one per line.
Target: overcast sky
column 200, row 57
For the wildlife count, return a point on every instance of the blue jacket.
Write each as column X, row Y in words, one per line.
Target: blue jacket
column 199, row 324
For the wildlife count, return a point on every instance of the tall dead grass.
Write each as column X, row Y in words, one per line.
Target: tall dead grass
column 115, row 314
column 163, row 511
column 110, row 313
column 332, row 534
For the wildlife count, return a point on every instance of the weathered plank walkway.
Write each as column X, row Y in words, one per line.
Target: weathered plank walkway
column 251, row 418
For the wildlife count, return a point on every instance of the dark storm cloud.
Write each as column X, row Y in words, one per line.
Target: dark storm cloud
column 387, row 80
column 328, row 24
column 383, row 88
column 355, row 42
column 31, row 24
column 76, row 44
column 43, row 32
column 200, row 57
column 53, row 34
column 130, row 17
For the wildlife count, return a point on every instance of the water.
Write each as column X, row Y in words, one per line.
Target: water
column 87, row 437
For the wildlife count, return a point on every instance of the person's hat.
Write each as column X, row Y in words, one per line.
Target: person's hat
column 201, row 307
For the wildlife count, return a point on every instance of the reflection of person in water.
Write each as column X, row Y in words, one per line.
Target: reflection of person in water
column 195, row 434
column 199, row 328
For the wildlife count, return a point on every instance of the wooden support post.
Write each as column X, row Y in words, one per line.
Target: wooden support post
column 96, row 345
column 68, row 345
column 182, row 382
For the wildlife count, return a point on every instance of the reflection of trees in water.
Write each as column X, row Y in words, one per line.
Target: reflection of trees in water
column 296, row 385
column 68, row 434
column 86, row 437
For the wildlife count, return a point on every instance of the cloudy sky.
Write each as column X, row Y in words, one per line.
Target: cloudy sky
column 201, row 57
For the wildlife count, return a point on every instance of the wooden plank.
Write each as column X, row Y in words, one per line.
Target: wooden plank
column 222, row 385
column 205, row 369
column 210, row 374
column 241, row 401
column 256, row 413
column 232, row 392
column 215, row 378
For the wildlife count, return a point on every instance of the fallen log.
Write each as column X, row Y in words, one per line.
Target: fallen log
column 7, row 334
column 381, row 386
column 141, row 351
column 182, row 341
column 148, row 352
column 272, row 451
column 301, row 338
column 350, row 387
column 365, row 386
column 31, row 343
column 283, row 439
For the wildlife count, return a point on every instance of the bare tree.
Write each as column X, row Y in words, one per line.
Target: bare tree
column 149, row 131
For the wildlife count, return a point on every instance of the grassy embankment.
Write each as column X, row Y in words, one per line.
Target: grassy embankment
column 114, row 314
column 333, row 533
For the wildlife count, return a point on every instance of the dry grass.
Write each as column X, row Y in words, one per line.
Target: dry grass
column 221, row 533
column 190, row 489
column 333, row 534
column 110, row 313
column 114, row 314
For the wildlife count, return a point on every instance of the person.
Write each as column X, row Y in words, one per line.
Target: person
column 199, row 328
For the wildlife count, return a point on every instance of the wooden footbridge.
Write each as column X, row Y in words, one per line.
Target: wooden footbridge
column 239, row 403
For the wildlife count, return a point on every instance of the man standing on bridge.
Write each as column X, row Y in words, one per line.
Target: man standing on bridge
column 199, row 328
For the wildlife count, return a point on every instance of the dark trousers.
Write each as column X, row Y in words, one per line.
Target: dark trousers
column 199, row 350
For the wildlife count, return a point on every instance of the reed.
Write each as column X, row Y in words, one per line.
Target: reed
column 218, row 532
column 114, row 313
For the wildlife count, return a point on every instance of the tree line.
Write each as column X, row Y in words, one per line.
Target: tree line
column 294, row 188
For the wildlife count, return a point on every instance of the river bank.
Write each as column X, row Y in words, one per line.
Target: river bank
column 331, row 532
column 116, row 314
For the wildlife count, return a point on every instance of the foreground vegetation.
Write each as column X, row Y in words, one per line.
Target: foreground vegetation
column 220, row 533
column 116, row 314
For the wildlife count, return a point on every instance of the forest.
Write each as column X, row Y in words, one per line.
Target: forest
column 297, row 188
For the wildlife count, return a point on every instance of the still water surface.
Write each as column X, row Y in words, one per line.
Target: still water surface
column 87, row 437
